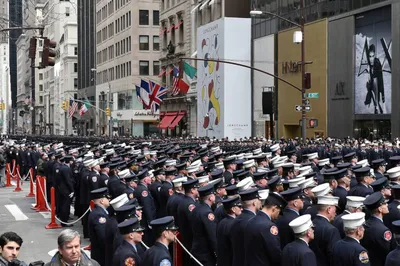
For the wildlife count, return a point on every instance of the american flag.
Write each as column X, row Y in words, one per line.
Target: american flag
column 175, row 82
column 73, row 106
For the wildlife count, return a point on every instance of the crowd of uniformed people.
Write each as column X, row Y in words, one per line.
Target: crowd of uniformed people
column 244, row 202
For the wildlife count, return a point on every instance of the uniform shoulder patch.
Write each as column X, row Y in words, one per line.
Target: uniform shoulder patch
column 165, row 262
column 170, row 192
column 94, row 178
column 211, row 216
column 144, row 193
column 387, row 235
column 274, row 230
column 102, row 220
column 158, row 189
column 363, row 257
column 57, row 170
column 130, row 261
column 106, row 182
column 232, row 181
column 191, row 207
column 131, row 195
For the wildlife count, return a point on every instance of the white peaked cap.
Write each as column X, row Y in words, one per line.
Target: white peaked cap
column 307, row 183
column 196, row 163
column 321, row 190
column 328, row 200
column 179, row 181
column 170, row 162
column 248, row 163
column 278, row 164
column 119, row 201
column 263, row 193
column 363, row 163
column 246, row 183
column 297, row 166
column 240, row 156
column 323, row 162
column 353, row 220
column 88, row 163
column 274, row 147
column 312, row 155
column 275, row 158
column 248, row 155
column 257, row 151
column 295, row 181
column 305, row 169
column 394, row 172
column 355, row 201
column 301, row 224
column 203, row 179
column 192, row 169
column 136, row 152
column 262, row 170
column 147, row 152
column 124, row 173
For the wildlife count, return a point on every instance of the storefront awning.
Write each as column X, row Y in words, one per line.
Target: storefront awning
column 167, row 119
column 177, row 120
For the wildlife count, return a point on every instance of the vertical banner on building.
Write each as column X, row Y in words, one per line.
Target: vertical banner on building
column 223, row 90
column 373, row 73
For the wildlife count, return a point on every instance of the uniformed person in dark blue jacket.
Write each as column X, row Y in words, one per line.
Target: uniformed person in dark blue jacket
column 233, row 208
column 65, row 187
column 393, row 258
column 164, row 230
column 127, row 252
column 166, row 191
column 378, row 238
column 379, row 167
column 97, row 224
column 394, row 213
column 295, row 203
column 382, row 185
column 251, row 205
column 175, row 199
column 325, row 234
column 231, row 192
column 262, row 246
column 298, row 252
column 349, row 251
column 342, row 181
column 145, row 200
column 354, row 204
column 204, row 227
column 364, row 180
column 230, row 166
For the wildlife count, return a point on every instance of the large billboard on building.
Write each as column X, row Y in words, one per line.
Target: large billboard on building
column 373, row 73
column 223, row 90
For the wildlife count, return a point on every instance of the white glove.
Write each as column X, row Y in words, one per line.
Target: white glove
column 71, row 195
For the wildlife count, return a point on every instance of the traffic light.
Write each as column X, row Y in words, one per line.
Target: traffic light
column 32, row 48
column 48, row 53
column 313, row 122
column 64, row 105
column 307, row 81
column 108, row 111
column 2, row 106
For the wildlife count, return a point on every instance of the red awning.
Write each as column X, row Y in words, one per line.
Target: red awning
column 167, row 119
column 177, row 120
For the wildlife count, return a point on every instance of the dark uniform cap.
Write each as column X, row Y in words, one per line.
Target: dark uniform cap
column 276, row 199
column 288, row 167
column 380, row 184
column 99, row 193
column 378, row 162
column 126, row 211
column 242, row 175
column 192, row 183
column 275, row 181
column 116, row 159
column 104, row 165
column 363, row 171
column 396, row 227
column 349, row 156
column 292, row 194
column 217, row 173
column 236, row 172
column 130, row 226
column 357, row 166
column 331, row 170
column 259, row 176
column 113, row 166
column 341, row 173
column 290, row 153
column 141, row 175
column 249, row 194
column 343, row 165
column 181, row 166
column 395, row 158
column 232, row 190
column 306, row 164
column 329, row 175
column 231, row 202
column 219, row 183
column 146, row 165
column 272, row 173
column 201, row 173
column 171, row 171
column 374, row 201
column 58, row 155
column 312, row 174
column 134, row 202
column 203, row 153
column 165, row 223
column 228, row 161
column 206, row 190
column 161, row 162
column 131, row 177
column 395, row 191
column 67, row 159
column 260, row 158
column 239, row 162
column 158, row 171
column 131, row 163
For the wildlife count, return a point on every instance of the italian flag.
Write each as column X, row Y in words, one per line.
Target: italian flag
column 189, row 73
column 84, row 108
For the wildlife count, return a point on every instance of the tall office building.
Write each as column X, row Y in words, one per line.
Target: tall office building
column 4, row 69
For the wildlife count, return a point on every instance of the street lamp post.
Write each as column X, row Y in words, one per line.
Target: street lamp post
column 303, row 69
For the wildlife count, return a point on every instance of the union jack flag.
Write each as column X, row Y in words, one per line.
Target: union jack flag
column 156, row 95
column 73, row 106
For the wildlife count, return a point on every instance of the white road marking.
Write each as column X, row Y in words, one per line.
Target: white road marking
column 46, row 215
column 16, row 212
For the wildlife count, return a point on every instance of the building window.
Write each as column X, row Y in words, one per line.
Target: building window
column 144, row 42
column 125, row 100
column 40, row 87
column 75, row 83
column 156, row 43
column 143, row 17
column 40, row 43
column 67, row 11
column 156, row 17
column 156, row 68
column 40, row 76
column 75, row 67
column 144, row 68
column 75, row 50
column 40, row 99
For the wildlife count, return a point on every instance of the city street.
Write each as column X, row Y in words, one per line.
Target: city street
column 16, row 215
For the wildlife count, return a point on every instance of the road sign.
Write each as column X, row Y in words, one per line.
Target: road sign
column 307, row 108
column 307, row 102
column 312, row 95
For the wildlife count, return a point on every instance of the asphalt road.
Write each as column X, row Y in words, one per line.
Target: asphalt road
column 16, row 214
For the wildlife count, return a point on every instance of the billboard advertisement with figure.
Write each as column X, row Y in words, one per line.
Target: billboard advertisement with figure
column 373, row 72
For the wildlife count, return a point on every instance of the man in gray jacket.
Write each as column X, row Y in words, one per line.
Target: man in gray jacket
column 70, row 252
